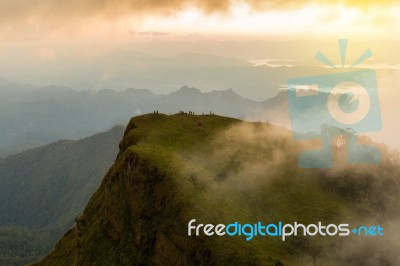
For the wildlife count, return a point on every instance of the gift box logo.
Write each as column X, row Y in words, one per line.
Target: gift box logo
column 339, row 104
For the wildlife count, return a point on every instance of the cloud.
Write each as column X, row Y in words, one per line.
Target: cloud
column 152, row 33
column 36, row 19
column 250, row 164
column 36, row 10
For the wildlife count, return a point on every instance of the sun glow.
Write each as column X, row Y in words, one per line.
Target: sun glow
column 305, row 20
column 309, row 19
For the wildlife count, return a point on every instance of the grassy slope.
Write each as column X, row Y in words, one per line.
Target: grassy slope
column 170, row 170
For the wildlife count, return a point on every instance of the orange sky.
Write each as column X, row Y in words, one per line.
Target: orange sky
column 126, row 20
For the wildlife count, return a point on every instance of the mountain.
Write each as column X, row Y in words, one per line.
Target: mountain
column 274, row 110
column 219, row 170
column 226, row 102
column 37, row 117
column 127, row 66
column 43, row 190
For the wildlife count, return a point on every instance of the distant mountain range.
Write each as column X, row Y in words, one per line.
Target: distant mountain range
column 43, row 190
column 34, row 117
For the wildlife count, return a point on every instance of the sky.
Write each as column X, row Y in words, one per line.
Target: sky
column 72, row 21
column 95, row 44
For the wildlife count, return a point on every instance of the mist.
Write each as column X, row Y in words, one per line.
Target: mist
column 252, row 166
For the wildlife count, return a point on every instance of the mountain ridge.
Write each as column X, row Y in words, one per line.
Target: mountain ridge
column 171, row 169
column 37, row 117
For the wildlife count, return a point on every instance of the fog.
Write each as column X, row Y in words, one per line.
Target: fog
column 249, row 167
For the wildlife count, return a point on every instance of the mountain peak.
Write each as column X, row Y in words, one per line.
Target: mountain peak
column 172, row 169
column 187, row 89
column 139, row 91
column 226, row 94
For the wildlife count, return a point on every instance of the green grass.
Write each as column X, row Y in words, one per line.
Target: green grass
column 214, row 169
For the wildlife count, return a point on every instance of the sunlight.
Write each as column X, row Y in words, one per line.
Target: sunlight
column 330, row 20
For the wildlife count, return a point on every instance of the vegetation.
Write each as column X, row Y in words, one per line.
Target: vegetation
column 172, row 169
column 43, row 190
column 19, row 245
column 33, row 118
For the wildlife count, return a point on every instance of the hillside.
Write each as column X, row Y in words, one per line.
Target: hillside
column 172, row 169
column 32, row 118
column 43, row 190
